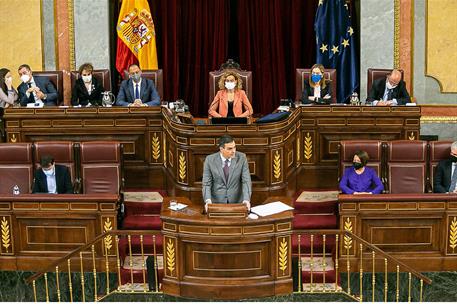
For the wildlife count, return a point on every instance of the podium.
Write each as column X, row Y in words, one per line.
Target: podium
column 225, row 258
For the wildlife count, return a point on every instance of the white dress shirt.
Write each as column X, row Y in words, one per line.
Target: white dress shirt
column 51, row 181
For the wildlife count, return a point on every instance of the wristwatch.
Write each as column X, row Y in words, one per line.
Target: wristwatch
column 45, row 96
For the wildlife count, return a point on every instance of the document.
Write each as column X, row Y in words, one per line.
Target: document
column 177, row 207
column 270, row 208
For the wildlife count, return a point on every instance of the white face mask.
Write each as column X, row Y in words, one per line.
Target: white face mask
column 389, row 86
column 230, row 85
column 49, row 172
column 25, row 78
column 87, row 78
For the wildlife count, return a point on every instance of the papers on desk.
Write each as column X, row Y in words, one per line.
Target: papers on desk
column 270, row 208
column 38, row 104
column 177, row 207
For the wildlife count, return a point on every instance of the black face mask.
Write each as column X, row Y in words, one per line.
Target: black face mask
column 453, row 158
column 357, row 166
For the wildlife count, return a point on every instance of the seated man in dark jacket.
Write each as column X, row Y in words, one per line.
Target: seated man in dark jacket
column 52, row 178
column 389, row 91
column 137, row 91
column 445, row 179
column 35, row 89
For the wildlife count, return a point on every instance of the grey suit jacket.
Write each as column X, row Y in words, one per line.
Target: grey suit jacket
column 237, row 189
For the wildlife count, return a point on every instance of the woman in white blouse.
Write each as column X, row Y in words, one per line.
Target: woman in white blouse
column 8, row 95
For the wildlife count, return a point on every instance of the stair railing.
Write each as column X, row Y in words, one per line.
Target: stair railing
column 353, row 251
column 97, row 262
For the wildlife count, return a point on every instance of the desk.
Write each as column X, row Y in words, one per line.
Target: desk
column 37, row 228
column 226, row 258
column 413, row 227
column 162, row 153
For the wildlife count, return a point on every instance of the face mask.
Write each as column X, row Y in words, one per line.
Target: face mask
column 87, row 78
column 316, row 78
column 136, row 77
column 230, row 85
column 25, row 78
column 453, row 158
column 389, row 86
column 49, row 172
column 357, row 166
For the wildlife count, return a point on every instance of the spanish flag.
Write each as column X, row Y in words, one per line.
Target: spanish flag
column 136, row 42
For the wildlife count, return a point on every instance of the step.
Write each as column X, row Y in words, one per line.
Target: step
column 305, row 244
column 136, row 270
column 142, row 222
column 143, row 201
column 316, row 201
column 148, row 248
column 314, row 221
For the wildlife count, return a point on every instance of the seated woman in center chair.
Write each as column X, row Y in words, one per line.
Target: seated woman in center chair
column 87, row 90
column 231, row 99
column 360, row 179
column 317, row 89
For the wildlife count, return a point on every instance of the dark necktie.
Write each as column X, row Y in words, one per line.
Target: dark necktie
column 453, row 179
column 226, row 169
column 31, row 97
column 137, row 92
column 389, row 94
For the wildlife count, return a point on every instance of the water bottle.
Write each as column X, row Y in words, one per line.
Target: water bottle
column 16, row 190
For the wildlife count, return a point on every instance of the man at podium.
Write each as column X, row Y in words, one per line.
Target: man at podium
column 226, row 177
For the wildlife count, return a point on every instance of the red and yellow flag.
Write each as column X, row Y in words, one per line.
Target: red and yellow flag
column 136, row 40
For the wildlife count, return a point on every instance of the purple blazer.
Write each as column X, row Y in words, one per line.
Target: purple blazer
column 368, row 181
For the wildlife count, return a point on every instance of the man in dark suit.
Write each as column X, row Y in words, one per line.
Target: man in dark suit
column 226, row 177
column 35, row 89
column 445, row 178
column 52, row 178
column 389, row 91
column 137, row 91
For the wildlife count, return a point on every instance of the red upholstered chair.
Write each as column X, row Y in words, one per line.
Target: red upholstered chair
column 407, row 166
column 104, row 76
column 16, row 167
column 101, row 167
column 347, row 149
column 373, row 74
column 154, row 75
column 302, row 75
column 214, row 76
column 438, row 150
column 62, row 151
column 56, row 77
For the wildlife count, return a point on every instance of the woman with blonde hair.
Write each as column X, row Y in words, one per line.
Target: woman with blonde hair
column 231, row 99
column 317, row 88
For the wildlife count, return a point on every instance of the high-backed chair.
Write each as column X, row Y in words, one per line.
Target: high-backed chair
column 302, row 75
column 407, row 166
column 16, row 167
column 62, row 151
column 56, row 77
column 101, row 167
column 154, row 75
column 374, row 73
column 347, row 149
column 215, row 76
column 103, row 76
column 438, row 150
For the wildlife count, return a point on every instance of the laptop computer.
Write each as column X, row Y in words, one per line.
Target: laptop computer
column 229, row 120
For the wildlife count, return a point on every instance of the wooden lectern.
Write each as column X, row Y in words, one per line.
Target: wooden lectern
column 225, row 257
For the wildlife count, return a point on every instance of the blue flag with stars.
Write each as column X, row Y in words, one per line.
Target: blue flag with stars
column 335, row 42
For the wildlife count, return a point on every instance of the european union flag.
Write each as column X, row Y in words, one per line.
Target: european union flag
column 336, row 45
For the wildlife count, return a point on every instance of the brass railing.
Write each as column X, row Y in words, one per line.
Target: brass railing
column 59, row 280
column 358, row 255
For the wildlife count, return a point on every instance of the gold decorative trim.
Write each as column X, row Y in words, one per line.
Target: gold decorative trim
column 412, row 136
column 13, row 138
column 439, row 119
column 453, row 234
column 171, row 259
column 396, row 34
column 347, row 238
column 282, row 256
column 108, row 240
column 182, row 167
column 277, row 165
column 308, row 147
column 71, row 34
column 6, row 234
column 298, row 150
column 155, row 142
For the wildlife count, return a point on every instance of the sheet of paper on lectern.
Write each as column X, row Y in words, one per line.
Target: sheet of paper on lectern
column 270, row 208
